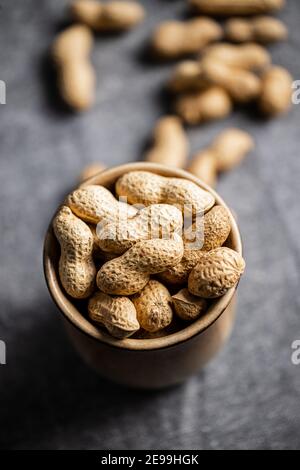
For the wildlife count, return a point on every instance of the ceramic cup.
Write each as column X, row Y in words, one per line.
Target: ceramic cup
column 144, row 363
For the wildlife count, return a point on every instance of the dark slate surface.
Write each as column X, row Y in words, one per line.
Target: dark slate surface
column 249, row 396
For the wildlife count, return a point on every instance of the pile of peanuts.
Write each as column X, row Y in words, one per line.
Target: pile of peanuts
column 139, row 281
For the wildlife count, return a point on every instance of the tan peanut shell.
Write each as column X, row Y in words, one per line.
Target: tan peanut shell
column 153, row 307
column 142, row 187
column 216, row 272
column 117, row 314
column 174, row 39
column 187, row 306
column 244, row 56
column 94, row 203
column 276, row 94
column 155, row 221
column 203, row 106
column 187, row 76
column 204, row 166
column 170, row 143
column 215, row 229
column 76, row 75
column 76, row 267
column 129, row 273
column 263, row 29
column 243, row 86
column 109, row 16
column 91, row 170
column 231, row 147
column 236, row 7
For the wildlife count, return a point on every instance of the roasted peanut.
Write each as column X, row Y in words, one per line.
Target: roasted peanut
column 202, row 106
column 110, row 16
column 91, row 170
column 216, row 272
column 153, row 307
column 245, row 56
column 276, row 94
column 187, row 76
column 76, row 267
column 243, row 86
column 187, row 306
column 264, row 29
column 95, row 203
column 155, row 221
column 236, row 7
column 204, row 166
column 231, row 147
column 215, row 231
column 76, row 76
column 143, row 187
column 170, row 143
column 117, row 314
column 173, row 39
column 129, row 273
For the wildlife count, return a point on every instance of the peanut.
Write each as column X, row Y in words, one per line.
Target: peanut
column 91, row 170
column 147, row 188
column 243, row 86
column 204, row 166
column 117, row 314
column 170, row 143
column 276, row 94
column 110, row 16
column 202, row 106
column 187, row 76
column 236, row 7
column 216, row 272
column 263, row 29
column 76, row 76
column 231, row 147
column 216, row 230
column 129, row 273
column 76, row 267
column 173, row 39
column 153, row 307
column 245, row 56
column 187, row 306
column 95, row 203
column 155, row 221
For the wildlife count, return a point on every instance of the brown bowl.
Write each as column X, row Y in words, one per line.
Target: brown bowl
column 144, row 363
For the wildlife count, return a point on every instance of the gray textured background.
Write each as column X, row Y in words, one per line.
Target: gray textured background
column 249, row 396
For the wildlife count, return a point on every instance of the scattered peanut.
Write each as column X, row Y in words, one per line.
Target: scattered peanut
column 173, row 39
column 276, row 94
column 110, row 16
column 91, row 170
column 187, row 306
column 117, row 314
column 76, row 76
column 216, row 272
column 129, row 273
column 243, row 86
column 76, row 267
column 215, row 232
column 170, row 143
column 187, row 76
column 204, row 166
column 142, row 187
column 202, row 106
column 245, row 56
column 264, row 29
column 94, row 203
column 231, row 147
column 153, row 307
column 236, row 7
column 155, row 221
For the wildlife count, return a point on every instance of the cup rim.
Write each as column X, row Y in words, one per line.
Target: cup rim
column 71, row 313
